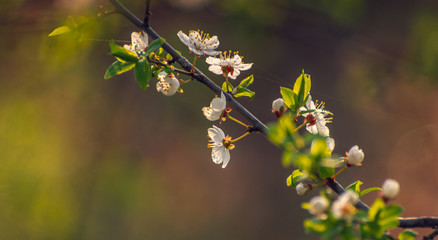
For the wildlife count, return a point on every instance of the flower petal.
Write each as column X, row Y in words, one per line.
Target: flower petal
column 215, row 69
column 218, row 154
column 226, row 158
column 184, row 38
column 213, row 60
column 216, row 134
column 236, row 73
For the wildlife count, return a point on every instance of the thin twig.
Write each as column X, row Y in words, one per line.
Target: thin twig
column 173, row 68
column 147, row 13
column 431, row 236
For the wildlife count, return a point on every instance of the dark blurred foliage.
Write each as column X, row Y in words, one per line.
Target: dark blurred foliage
column 87, row 158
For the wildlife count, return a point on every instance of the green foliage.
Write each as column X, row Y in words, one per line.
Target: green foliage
column 72, row 26
column 240, row 90
column 289, row 97
column 296, row 176
column 117, row 68
column 356, row 188
column 301, row 89
column 407, row 235
column 143, row 73
column 330, row 228
column 154, row 45
column 380, row 219
column 122, row 54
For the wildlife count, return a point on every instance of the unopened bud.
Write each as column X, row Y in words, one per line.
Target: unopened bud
column 278, row 107
column 302, row 188
column 355, row 156
column 390, row 189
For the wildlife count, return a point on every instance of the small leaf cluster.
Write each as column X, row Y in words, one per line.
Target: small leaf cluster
column 127, row 60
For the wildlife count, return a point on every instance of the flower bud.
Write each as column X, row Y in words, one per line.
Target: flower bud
column 302, row 188
column 318, row 205
column 278, row 107
column 390, row 189
column 355, row 156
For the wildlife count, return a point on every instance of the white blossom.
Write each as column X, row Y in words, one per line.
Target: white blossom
column 318, row 205
column 139, row 42
column 168, row 85
column 217, row 107
column 343, row 207
column 200, row 43
column 330, row 143
column 355, row 156
column 278, row 107
column 226, row 65
column 302, row 189
column 316, row 117
column 220, row 145
column 390, row 189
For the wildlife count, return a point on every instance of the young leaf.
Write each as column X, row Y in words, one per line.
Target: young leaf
column 368, row 190
column 230, row 87
column 355, row 187
column 143, row 73
column 244, row 92
column 246, row 82
column 302, row 88
column 296, row 176
column 117, row 68
column 154, row 45
column 407, row 235
column 122, row 54
column 289, row 97
column 59, row 31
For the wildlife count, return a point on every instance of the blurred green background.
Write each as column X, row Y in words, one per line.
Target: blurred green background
column 88, row 158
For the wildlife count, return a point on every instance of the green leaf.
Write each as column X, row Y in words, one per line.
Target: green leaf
column 289, row 97
column 368, row 190
column 355, row 187
column 377, row 206
column 325, row 172
column 246, row 82
column 348, row 233
column 302, row 88
column 143, row 73
column 315, row 225
column 154, row 45
column 117, row 68
column 407, row 235
column 122, row 54
column 59, row 31
column 296, row 176
column 244, row 92
column 230, row 87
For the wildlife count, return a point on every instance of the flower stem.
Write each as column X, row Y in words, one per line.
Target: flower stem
column 299, row 127
column 194, row 62
column 237, row 139
column 341, row 170
column 226, row 79
column 237, row 121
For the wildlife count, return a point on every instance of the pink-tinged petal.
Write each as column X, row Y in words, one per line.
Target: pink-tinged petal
column 244, row 66
column 184, row 38
column 216, row 134
column 236, row 73
column 226, row 158
column 215, row 69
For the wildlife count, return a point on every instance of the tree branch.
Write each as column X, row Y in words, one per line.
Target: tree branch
column 413, row 222
column 431, row 236
column 258, row 126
